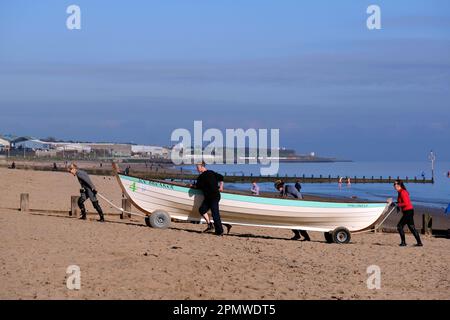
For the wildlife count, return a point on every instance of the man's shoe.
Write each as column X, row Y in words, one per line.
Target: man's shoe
column 210, row 227
column 402, row 244
column 228, row 226
column 307, row 239
column 418, row 245
column 82, row 217
column 296, row 237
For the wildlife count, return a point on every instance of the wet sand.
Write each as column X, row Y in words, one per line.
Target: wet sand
column 124, row 259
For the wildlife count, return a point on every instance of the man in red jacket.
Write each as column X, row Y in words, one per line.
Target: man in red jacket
column 404, row 203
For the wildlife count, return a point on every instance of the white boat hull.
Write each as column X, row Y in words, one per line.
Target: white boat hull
column 182, row 203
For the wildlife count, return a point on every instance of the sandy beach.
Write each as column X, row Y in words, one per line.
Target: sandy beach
column 124, row 259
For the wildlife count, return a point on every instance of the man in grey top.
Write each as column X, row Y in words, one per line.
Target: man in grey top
column 87, row 191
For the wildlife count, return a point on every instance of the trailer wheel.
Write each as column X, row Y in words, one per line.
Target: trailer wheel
column 158, row 219
column 341, row 235
column 328, row 237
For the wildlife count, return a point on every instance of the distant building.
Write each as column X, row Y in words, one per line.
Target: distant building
column 31, row 144
column 4, row 144
column 151, row 151
column 16, row 140
column 110, row 149
column 71, row 147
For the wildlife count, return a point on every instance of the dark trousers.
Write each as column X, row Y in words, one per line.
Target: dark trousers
column 213, row 205
column 407, row 219
column 301, row 232
column 89, row 194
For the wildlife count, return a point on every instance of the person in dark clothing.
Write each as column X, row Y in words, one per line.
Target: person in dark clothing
column 87, row 191
column 298, row 186
column 211, row 184
column 288, row 190
column 404, row 203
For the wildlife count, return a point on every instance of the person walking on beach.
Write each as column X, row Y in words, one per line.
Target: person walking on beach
column 211, row 184
column 87, row 191
column 255, row 189
column 404, row 203
column 288, row 190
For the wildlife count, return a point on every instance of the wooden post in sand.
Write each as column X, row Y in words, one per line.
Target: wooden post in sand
column 126, row 205
column 74, row 206
column 24, row 202
column 427, row 224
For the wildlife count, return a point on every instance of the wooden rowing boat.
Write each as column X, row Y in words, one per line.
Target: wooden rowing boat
column 167, row 200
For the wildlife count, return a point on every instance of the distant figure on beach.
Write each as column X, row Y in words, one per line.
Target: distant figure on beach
column 423, row 175
column 127, row 170
column 13, row 165
column 87, row 191
column 340, row 183
column 101, row 165
column 255, row 189
column 298, row 186
column 211, row 184
column 349, row 183
column 55, row 167
column 404, row 203
column 448, row 174
column 288, row 190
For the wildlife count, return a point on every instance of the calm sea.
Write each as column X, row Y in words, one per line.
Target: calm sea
column 435, row 195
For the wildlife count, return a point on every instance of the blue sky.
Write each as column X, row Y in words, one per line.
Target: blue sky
column 137, row 70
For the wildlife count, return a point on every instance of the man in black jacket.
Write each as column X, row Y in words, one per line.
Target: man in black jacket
column 211, row 183
column 87, row 191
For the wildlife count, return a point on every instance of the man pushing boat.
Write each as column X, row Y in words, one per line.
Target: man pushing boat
column 211, row 184
column 288, row 190
column 87, row 191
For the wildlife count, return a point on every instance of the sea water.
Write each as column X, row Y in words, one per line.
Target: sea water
column 435, row 195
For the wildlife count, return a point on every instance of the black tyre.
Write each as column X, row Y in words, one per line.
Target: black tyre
column 341, row 235
column 328, row 237
column 158, row 219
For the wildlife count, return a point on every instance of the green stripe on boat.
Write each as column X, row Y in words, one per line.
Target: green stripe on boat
column 259, row 200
